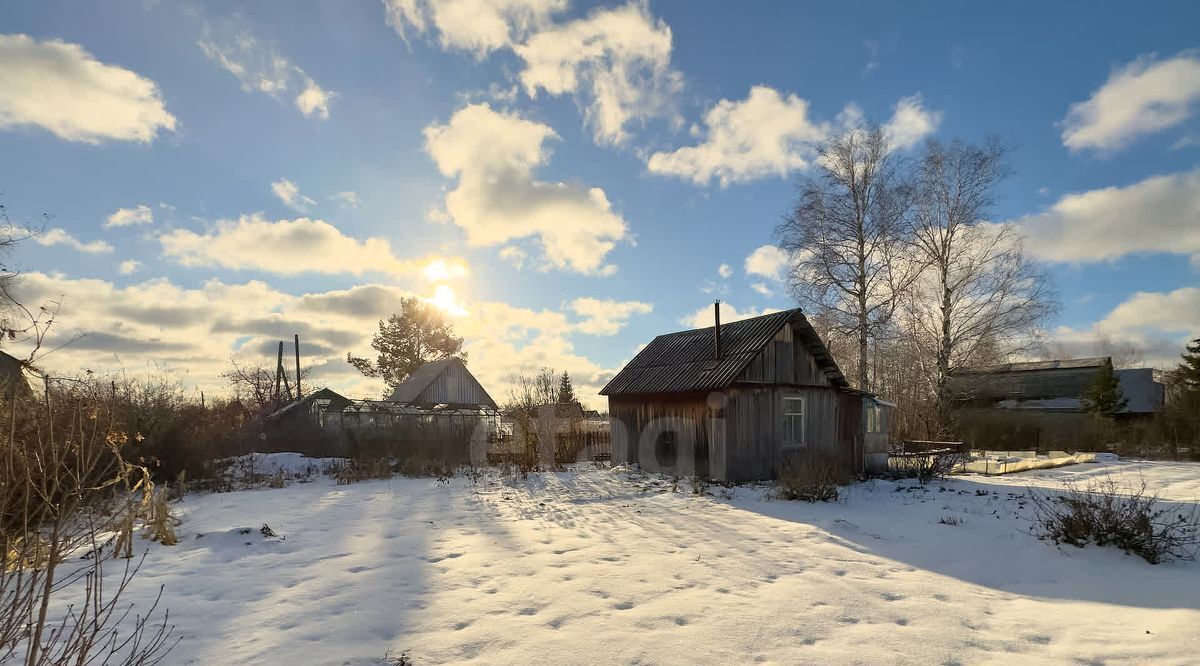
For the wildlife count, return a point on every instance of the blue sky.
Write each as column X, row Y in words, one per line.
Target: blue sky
column 589, row 166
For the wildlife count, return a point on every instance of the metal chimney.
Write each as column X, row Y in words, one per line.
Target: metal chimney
column 717, row 329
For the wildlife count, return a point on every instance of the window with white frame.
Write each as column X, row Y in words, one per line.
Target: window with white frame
column 874, row 423
column 793, row 421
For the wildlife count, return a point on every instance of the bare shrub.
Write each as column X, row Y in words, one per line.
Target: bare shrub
column 420, row 467
column 358, row 469
column 1129, row 518
column 931, row 463
column 64, row 482
column 937, row 465
column 811, row 478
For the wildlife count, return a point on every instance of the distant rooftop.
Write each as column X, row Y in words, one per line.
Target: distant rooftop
column 1057, row 364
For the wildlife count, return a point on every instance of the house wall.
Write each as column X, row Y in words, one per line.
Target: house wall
column 876, row 442
column 454, row 386
column 732, row 435
column 641, row 426
column 755, row 422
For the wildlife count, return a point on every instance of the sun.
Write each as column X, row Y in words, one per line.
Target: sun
column 446, row 300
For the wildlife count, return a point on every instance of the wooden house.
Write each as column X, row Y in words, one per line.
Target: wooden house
column 322, row 407
column 737, row 402
column 1039, row 405
column 444, row 383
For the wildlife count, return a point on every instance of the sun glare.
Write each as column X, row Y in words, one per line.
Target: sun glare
column 447, row 301
column 438, row 270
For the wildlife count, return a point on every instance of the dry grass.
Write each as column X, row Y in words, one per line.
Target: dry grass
column 1129, row 518
column 811, row 478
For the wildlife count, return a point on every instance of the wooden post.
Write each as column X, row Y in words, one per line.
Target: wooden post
column 278, row 371
column 298, row 394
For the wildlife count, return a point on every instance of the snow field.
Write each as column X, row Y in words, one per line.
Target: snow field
column 598, row 566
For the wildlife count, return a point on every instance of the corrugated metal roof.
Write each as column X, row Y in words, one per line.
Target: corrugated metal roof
column 1145, row 395
column 683, row 361
column 1057, row 364
column 419, row 380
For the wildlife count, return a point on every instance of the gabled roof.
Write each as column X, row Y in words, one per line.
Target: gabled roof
column 422, row 377
column 419, row 380
column 1056, row 364
column 337, row 402
column 1056, row 385
column 683, row 361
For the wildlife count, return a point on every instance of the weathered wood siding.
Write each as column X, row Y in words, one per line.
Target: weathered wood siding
column 643, row 426
column 455, row 386
column 784, row 360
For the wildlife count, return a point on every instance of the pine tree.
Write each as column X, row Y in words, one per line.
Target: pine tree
column 566, row 392
column 1104, row 397
column 1189, row 370
column 406, row 341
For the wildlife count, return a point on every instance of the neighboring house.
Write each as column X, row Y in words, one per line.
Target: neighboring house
column 14, row 385
column 323, row 407
column 736, row 402
column 1039, row 405
column 306, row 425
column 444, row 383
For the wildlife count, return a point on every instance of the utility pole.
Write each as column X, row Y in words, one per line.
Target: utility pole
column 298, row 394
column 278, row 372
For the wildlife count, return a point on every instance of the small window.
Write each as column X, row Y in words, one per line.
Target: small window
column 793, row 421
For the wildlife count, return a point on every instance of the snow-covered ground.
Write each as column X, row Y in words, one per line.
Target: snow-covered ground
column 597, row 566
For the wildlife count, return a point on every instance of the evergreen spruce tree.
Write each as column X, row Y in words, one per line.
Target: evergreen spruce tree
column 1189, row 370
column 1104, row 397
column 566, row 392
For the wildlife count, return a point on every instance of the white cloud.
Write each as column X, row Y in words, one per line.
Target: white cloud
column 62, row 237
column 1145, row 96
column 762, row 288
column 477, row 26
column 725, row 271
column 192, row 332
column 1156, row 324
column 63, row 89
column 260, row 67
column 346, row 198
column 911, row 122
column 129, row 267
column 129, row 216
column 606, row 316
column 1173, row 312
column 618, row 61
column 285, row 247
column 1158, row 214
column 703, row 317
column 767, row 261
column 766, row 134
column 497, row 199
column 289, row 194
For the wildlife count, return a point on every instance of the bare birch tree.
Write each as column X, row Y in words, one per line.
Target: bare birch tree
column 845, row 236
column 979, row 296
